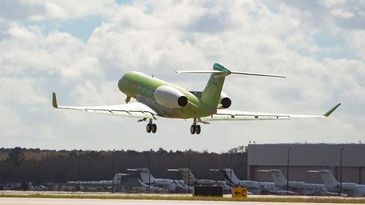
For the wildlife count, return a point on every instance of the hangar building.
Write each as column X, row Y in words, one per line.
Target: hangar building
column 303, row 157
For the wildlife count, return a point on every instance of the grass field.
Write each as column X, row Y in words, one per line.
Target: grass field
column 98, row 195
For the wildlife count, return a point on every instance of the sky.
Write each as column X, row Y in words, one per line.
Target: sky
column 80, row 49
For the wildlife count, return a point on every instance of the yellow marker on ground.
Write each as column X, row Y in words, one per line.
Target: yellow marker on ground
column 239, row 192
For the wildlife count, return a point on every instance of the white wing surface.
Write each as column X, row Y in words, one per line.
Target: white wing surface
column 223, row 115
column 137, row 110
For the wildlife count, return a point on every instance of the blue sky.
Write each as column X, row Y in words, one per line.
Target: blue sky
column 80, row 49
column 80, row 28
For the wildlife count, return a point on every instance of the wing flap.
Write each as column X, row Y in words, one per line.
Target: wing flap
column 232, row 115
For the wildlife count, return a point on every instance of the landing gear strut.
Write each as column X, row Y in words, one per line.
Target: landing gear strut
column 151, row 127
column 195, row 128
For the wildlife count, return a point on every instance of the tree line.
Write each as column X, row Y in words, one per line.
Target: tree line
column 41, row 166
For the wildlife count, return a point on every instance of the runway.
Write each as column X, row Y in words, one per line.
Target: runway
column 45, row 201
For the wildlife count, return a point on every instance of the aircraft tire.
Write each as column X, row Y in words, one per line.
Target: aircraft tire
column 149, row 127
column 197, row 129
column 192, row 129
column 153, row 128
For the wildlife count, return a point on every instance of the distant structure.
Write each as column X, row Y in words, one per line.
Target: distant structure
column 297, row 159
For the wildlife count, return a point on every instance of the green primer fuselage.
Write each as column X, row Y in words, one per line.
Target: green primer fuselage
column 142, row 88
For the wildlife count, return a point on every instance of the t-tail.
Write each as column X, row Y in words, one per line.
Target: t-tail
column 213, row 89
column 118, row 178
column 186, row 175
column 327, row 177
column 212, row 92
column 230, row 176
column 144, row 174
column 277, row 176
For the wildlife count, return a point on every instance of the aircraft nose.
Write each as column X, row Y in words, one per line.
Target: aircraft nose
column 120, row 83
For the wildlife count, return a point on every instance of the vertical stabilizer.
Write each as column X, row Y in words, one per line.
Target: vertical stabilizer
column 213, row 89
column 187, row 176
column 212, row 92
column 328, row 179
column 146, row 176
column 230, row 176
column 117, row 178
column 278, row 177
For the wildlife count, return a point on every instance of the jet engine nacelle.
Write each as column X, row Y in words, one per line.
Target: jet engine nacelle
column 170, row 97
column 225, row 101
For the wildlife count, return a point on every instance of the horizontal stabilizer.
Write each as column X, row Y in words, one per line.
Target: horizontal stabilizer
column 258, row 74
column 268, row 170
column 319, row 171
column 230, row 72
column 199, row 71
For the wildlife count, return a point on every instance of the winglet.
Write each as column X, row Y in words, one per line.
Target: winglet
column 331, row 110
column 54, row 100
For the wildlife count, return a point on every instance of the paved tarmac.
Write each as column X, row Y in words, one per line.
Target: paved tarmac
column 45, row 201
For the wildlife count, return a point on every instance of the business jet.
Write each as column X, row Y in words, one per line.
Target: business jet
column 349, row 188
column 157, row 98
column 168, row 184
column 253, row 187
column 189, row 179
column 299, row 187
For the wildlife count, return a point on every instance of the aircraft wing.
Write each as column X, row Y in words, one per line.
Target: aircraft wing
column 137, row 110
column 223, row 115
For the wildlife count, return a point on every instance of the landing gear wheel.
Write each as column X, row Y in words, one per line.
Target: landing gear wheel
column 153, row 128
column 149, row 127
column 197, row 129
column 192, row 129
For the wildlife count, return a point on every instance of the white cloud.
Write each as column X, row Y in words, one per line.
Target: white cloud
column 32, row 52
column 17, row 91
column 158, row 38
column 106, row 92
column 12, row 129
column 356, row 40
column 333, row 3
column 341, row 13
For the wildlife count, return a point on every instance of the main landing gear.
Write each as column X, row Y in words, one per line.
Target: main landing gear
column 151, row 127
column 195, row 128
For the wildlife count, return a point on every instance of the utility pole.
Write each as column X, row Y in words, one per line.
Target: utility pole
column 78, row 169
column 287, row 170
column 341, row 152
column 189, row 167
column 113, row 170
column 46, row 167
column 230, row 164
column 245, row 161
column 149, row 170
